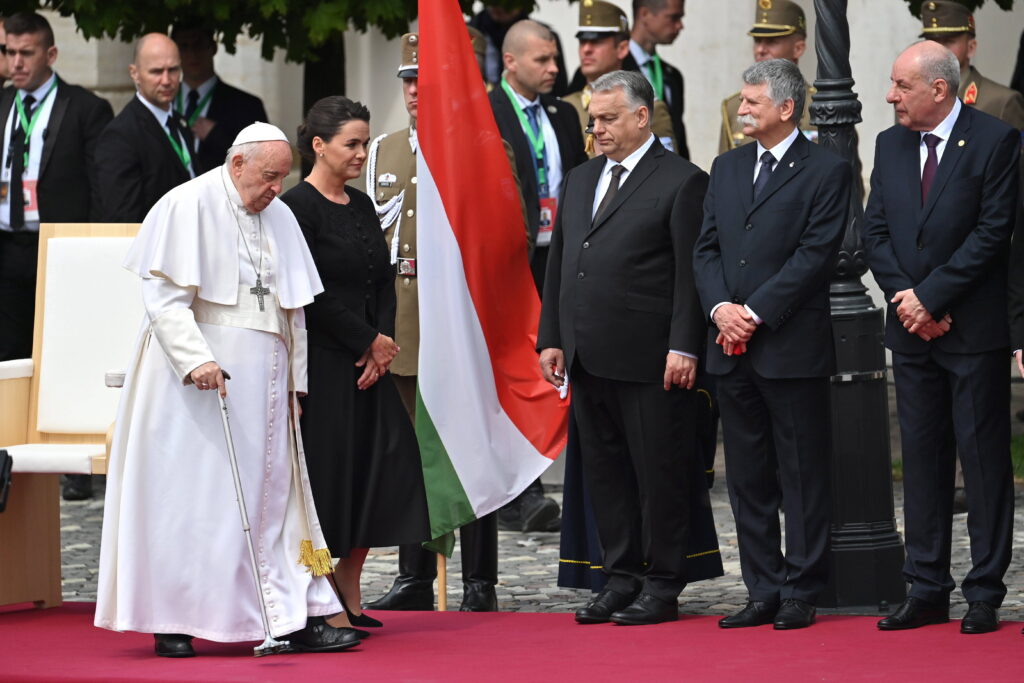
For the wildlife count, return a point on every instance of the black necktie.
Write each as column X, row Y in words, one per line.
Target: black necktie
column 765, row 174
column 19, row 149
column 609, row 194
column 931, row 164
column 192, row 105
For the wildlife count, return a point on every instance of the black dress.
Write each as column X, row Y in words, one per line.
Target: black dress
column 361, row 451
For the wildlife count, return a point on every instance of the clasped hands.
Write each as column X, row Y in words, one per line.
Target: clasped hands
column 916, row 319
column 376, row 360
column 735, row 327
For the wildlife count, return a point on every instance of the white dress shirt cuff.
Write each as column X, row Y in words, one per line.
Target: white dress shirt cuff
column 683, row 353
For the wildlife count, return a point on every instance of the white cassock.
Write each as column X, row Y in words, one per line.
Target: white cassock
column 173, row 557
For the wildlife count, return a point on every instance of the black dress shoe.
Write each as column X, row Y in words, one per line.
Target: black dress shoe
column 176, row 645
column 756, row 613
column 363, row 620
column 601, row 607
column 537, row 512
column 647, row 609
column 478, row 597
column 319, row 636
column 981, row 617
column 794, row 613
column 914, row 613
column 76, row 487
column 408, row 594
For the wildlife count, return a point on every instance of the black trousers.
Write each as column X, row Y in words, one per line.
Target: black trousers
column 18, row 257
column 637, row 443
column 951, row 402
column 777, row 450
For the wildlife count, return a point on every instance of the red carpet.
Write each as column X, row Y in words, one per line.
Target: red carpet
column 61, row 643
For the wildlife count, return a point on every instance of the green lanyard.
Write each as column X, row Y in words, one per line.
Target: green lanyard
column 29, row 125
column 199, row 107
column 180, row 150
column 657, row 77
column 536, row 139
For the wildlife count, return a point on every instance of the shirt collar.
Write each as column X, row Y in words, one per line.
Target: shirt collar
column 945, row 129
column 523, row 102
column 160, row 114
column 234, row 198
column 40, row 92
column 639, row 54
column 779, row 150
column 633, row 159
column 204, row 88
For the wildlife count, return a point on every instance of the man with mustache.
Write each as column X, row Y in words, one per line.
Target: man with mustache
column 148, row 148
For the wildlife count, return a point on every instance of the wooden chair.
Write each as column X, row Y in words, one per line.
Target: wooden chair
column 55, row 412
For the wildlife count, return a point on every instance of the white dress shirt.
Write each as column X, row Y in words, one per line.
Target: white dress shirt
column 944, row 130
column 35, row 152
column 161, row 118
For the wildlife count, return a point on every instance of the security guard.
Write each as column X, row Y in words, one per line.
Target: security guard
column 779, row 32
column 604, row 43
column 950, row 24
column 391, row 183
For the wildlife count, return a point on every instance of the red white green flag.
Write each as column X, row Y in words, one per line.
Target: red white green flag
column 487, row 422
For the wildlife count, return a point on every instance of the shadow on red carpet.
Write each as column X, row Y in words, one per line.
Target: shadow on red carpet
column 62, row 644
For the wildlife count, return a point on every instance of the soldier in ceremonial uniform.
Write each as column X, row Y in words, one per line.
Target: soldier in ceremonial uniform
column 604, row 44
column 950, row 24
column 779, row 32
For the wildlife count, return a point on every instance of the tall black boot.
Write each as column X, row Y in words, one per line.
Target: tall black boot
column 480, row 565
column 413, row 590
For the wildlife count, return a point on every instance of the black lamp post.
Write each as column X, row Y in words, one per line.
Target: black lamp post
column 867, row 552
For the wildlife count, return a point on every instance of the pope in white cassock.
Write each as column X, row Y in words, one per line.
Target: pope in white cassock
column 225, row 273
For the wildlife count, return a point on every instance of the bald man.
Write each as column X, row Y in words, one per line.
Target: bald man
column 147, row 149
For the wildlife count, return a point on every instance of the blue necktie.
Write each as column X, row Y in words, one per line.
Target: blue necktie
column 533, row 116
column 766, row 172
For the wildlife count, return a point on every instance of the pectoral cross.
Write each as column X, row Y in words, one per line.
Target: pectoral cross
column 259, row 291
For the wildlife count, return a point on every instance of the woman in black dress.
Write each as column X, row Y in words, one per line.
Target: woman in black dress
column 361, row 451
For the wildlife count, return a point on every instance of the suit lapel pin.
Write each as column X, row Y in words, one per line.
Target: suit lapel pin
column 961, row 143
column 552, row 109
column 791, row 164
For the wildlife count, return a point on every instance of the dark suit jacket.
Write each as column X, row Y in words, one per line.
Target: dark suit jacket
column 775, row 254
column 232, row 110
column 136, row 165
column 953, row 251
column 570, row 146
column 67, row 184
column 620, row 292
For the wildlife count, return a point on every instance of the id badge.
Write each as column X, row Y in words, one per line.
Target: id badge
column 31, row 200
column 3, row 191
column 548, row 213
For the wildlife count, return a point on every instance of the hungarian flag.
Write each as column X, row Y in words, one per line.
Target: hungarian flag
column 487, row 422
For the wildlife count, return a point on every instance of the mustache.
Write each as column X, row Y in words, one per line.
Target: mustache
column 746, row 120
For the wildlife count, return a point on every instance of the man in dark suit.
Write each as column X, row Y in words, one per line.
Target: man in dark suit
column 50, row 129
column 214, row 110
column 774, row 216
column 147, row 149
column 543, row 131
column 620, row 313
column 493, row 22
column 936, row 232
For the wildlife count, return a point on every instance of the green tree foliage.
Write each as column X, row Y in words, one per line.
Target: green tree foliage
column 973, row 5
column 297, row 26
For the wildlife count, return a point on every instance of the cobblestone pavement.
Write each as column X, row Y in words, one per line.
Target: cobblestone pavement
column 528, row 564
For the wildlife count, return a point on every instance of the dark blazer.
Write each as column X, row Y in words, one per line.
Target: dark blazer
column 136, row 165
column 775, row 254
column 620, row 292
column 952, row 251
column 232, row 110
column 570, row 146
column 672, row 79
column 67, row 183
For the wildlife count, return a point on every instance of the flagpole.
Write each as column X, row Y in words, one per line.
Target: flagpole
column 442, row 583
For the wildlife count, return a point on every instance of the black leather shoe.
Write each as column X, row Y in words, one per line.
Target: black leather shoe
column 176, row 645
column 647, row 609
column 537, row 512
column 981, row 617
column 959, row 501
column 363, row 620
column 601, row 607
column 914, row 613
column 794, row 613
column 756, row 613
column 407, row 594
column 478, row 597
column 319, row 636
column 76, row 487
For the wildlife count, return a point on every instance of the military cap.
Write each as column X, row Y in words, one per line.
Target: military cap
column 775, row 18
column 410, row 64
column 944, row 18
column 599, row 19
column 478, row 40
